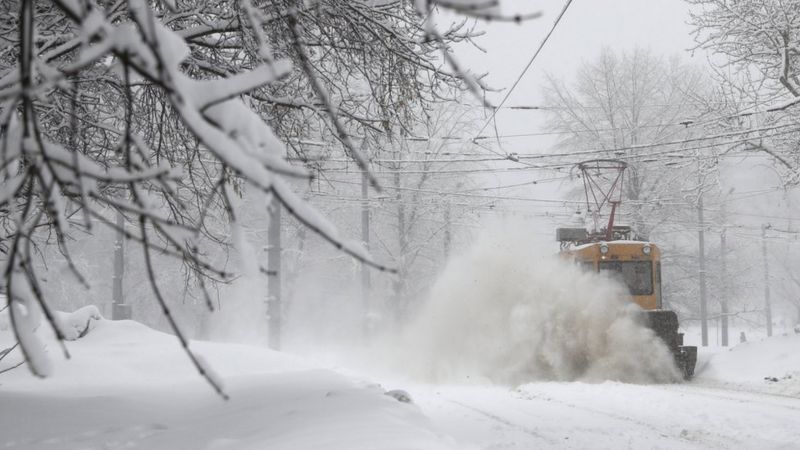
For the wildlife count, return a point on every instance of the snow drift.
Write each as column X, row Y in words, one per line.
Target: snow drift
column 510, row 312
column 128, row 386
column 768, row 365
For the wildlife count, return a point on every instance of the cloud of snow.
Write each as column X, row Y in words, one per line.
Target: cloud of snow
column 324, row 307
column 510, row 311
column 242, row 314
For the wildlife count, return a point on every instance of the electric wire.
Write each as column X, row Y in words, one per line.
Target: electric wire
column 527, row 66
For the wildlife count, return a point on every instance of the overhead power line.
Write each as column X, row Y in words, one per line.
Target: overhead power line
column 645, row 105
column 527, row 66
column 668, row 143
column 460, row 139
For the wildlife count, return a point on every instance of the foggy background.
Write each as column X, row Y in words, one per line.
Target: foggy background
column 430, row 212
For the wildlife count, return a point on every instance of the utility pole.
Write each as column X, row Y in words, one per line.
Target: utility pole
column 119, row 309
column 274, row 309
column 767, row 305
column 447, row 225
column 398, row 284
column 702, row 263
column 366, row 283
column 723, row 249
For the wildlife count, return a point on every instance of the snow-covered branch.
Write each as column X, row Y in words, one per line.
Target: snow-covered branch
column 150, row 112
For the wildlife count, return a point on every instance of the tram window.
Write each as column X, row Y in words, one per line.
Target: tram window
column 637, row 275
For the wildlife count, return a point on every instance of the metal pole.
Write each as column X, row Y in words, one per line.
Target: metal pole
column 274, row 307
column 723, row 250
column 398, row 282
column 702, row 262
column 119, row 310
column 767, row 305
column 366, row 282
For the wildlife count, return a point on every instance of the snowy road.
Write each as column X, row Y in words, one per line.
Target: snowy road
column 613, row 415
column 128, row 386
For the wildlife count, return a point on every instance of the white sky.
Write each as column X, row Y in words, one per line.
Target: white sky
column 585, row 29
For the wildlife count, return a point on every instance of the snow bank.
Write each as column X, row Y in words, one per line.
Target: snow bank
column 128, row 386
column 242, row 312
column 771, row 364
column 79, row 323
column 510, row 312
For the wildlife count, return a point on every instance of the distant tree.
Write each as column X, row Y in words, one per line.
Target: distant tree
column 629, row 106
column 756, row 57
column 754, row 35
column 789, row 288
column 422, row 172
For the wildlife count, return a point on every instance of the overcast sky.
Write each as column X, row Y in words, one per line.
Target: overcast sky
column 587, row 27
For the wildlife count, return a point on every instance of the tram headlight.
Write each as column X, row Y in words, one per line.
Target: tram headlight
column 646, row 250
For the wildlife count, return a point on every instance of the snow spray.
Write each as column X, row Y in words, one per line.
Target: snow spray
column 241, row 317
column 510, row 312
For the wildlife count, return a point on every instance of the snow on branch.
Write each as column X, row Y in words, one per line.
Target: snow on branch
column 330, row 108
column 485, row 9
column 488, row 10
column 150, row 111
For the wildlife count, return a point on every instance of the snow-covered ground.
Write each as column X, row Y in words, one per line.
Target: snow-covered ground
column 747, row 396
column 128, row 386
column 769, row 365
column 613, row 415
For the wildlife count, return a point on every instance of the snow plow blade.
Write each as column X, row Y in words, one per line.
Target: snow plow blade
column 665, row 324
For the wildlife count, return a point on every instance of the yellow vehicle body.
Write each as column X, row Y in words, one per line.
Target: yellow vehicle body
column 612, row 251
column 636, row 264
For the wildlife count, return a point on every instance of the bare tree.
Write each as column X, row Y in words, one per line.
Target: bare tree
column 156, row 111
column 425, row 181
column 757, row 59
column 630, row 106
column 424, row 176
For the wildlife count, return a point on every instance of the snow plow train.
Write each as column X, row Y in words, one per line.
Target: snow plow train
column 634, row 263
column 637, row 265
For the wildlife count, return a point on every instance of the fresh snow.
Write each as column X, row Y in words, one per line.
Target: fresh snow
column 79, row 323
column 771, row 365
column 128, row 386
column 747, row 396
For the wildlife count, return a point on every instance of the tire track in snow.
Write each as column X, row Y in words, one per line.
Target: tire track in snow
column 566, row 415
column 503, row 421
column 740, row 396
column 695, row 437
column 688, row 438
column 773, row 410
